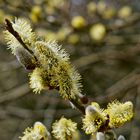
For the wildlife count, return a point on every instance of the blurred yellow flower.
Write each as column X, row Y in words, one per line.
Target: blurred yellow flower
column 50, row 35
column 78, row 22
column 109, row 13
column 91, row 7
column 125, row 12
column 97, row 32
column 62, row 33
column 37, row 80
column 35, row 13
column 101, row 6
column 73, row 38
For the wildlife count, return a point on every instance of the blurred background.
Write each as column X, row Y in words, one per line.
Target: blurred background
column 103, row 40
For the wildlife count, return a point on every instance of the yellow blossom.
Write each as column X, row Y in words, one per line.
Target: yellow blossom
column 125, row 12
column 101, row 6
column 91, row 7
column 35, row 13
column 109, row 13
column 97, row 32
column 73, row 38
column 78, row 22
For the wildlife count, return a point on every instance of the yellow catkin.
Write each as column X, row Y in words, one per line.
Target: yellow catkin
column 37, row 80
column 37, row 132
column 49, row 62
column 94, row 118
column 78, row 22
column 63, row 129
column 23, row 28
column 97, row 32
column 119, row 113
column 61, row 74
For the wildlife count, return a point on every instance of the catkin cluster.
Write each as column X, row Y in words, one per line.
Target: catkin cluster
column 49, row 63
column 116, row 115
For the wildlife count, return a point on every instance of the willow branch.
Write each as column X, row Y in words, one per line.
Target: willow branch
column 9, row 27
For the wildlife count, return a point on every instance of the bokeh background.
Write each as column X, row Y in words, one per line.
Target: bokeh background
column 103, row 40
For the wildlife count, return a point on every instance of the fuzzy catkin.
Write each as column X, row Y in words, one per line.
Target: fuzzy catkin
column 37, row 132
column 49, row 62
column 116, row 115
column 60, row 73
column 23, row 28
column 64, row 129
column 119, row 113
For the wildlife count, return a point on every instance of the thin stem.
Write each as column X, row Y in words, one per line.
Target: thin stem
column 78, row 106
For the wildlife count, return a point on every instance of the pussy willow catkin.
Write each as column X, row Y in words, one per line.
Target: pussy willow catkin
column 115, row 115
column 49, row 62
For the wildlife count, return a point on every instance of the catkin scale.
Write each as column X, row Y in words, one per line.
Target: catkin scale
column 83, row 98
column 25, row 58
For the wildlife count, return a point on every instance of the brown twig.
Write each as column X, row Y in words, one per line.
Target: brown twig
column 105, row 55
column 14, row 94
column 120, row 87
column 78, row 105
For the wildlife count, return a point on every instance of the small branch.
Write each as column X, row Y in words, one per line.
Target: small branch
column 75, row 102
column 118, row 89
column 105, row 55
column 78, row 106
column 14, row 94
